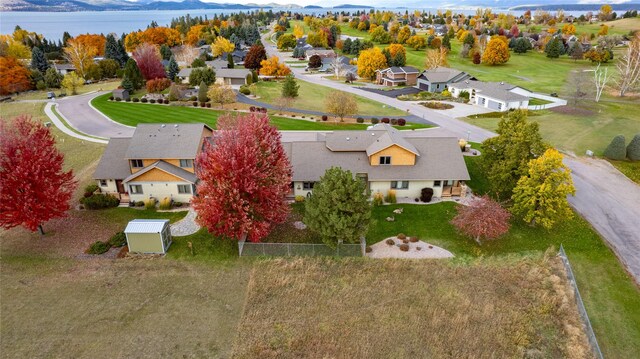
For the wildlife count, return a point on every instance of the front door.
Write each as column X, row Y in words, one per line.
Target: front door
column 120, row 186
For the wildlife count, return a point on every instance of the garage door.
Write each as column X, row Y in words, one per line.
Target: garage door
column 423, row 86
column 237, row 81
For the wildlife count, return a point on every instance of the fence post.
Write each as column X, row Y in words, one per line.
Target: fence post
column 289, row 249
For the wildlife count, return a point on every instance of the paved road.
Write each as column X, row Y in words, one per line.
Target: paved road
column 78, row 112
column 604, row 196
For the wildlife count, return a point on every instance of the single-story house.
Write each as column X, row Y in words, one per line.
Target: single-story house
column 148, row 235
column 184, row 74
column 217, row 64
column 64, row 69
column 235, row 76
column 156, row 162
column 122, row 94
column 383, row 157
column 320, row 52
column 397, row 76
column 497, row 96
column 438, row 79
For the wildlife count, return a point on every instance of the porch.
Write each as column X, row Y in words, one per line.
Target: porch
column 454, row 189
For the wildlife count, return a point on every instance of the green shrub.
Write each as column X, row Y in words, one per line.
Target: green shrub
column 374, row 121
column 616, row 149
column 377, row 199
column 140, row 204
column 245, row 90
column 401, row 236
column 99, row 201
column 446, row 93
column 360, row 120
column 98, row 247
column 464, row 94
column 177, row 204
column 299, row 199
column 150, row 203
column 118, row 240
column 135, row 99
column 633, row 149
column 90, row 189
column 391, row 196
column 165, row 204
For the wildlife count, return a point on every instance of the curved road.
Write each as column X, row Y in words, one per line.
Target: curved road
column 79, row 113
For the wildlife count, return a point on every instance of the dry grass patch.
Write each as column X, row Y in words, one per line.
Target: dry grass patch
column 354, row 308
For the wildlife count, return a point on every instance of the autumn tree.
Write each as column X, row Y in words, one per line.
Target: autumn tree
column 34, row 188
column 506, row 156
column 14, row 77
column 298, row 31
column 97, row 42
column 483, row 218
column 315, row 62
column 254, row 57
column 568, row 29
column 195, row 33
column 221, row 94
column 244, row 178
column 72, row 82
column 272, row 67
column 628, row 67
column 149, row 61
column 605, row 12
column 339, row 209
column 436, row 58
column 286, row 41
column 221, row 45
column 540, row 196
column 341, row 104
column 604, row 30
column 496, row 53
column 80, row 55
column 403, row 35
column 417, row 42
column 369, row 61
column 133, row 74
column 157, row 35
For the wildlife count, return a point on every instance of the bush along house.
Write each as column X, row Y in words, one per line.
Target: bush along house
column 383, row 157
column 156, row 162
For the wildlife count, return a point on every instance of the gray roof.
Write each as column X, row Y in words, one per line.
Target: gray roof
column 443, row 74
column 217, row 64
column 166, row 167
column 146, row 225
column 169, row 141
column 64, row 66
column 495, row 90
column 112, row 164
column 186, row 72
column 403, row 69
column 233, row 73
column 119, row 91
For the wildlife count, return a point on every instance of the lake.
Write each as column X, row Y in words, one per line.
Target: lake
column 53, row 24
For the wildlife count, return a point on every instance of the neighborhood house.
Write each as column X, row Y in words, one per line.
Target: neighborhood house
column 497, row 96
column 397, row 76
column 439, row 78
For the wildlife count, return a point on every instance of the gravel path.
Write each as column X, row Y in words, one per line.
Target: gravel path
column 185, row 226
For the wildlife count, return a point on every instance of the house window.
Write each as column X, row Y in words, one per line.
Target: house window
column 499, row 106
column 399, row 184
column 135, row 189
column 307, row 186
column 437, row 183
column 482, row 101
column 385, row 160
column 103, row 183
column 136, row 164
column 184, row 189
column 186, row 163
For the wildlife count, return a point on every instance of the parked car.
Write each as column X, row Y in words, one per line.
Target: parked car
column 51, row 95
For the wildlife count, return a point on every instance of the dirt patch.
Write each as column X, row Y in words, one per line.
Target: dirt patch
column 570, row 110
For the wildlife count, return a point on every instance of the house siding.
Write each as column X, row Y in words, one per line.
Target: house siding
column 414, row 190
column 399, row 156
column 109, row 188
column 159, row 190
column 175, row 162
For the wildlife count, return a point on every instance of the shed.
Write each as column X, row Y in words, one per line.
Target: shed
column 148, row 235
column 122, row 94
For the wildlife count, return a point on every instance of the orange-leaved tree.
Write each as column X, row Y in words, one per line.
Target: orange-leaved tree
column 93, row 40
column 80, row 55
column 496, row 53
column 273, row 67
column 14, row 77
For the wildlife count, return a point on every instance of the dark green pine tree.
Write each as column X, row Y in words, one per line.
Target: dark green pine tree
column 127, row 84
column 65, row 37
column 446, row 42
column 172, row 69
column 165, row 52
column 38, row 60
column 202, row 92
column 400, row 59
column 521, row 46
column 132, row 72
column 554, row 48
column 230, row 60
column 113, row 49
column 290, row 87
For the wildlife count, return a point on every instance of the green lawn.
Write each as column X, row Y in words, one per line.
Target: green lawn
column 629, row 168
column 618, row 26
column 311, row 97
column 132, row 114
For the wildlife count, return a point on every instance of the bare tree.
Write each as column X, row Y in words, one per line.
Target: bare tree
column 338, row 67
column 579, row 83
column 283, row 103
column 186, row 54
column 600, row 79
column 341, row 104
column 435, row 58
column 629, row 67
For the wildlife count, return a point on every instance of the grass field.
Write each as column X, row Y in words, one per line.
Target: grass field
column 132, row 114
column 616, row 27
column 311, row 97
column 42, row 95
column 407, row 309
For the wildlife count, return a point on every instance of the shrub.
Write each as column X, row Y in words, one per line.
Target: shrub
column 127, row 99
column 374, row 121
column 616, row 149
column 394, row 121
column 118, row 99
column 203, row 104
column 118, row 240
column 406, row 241
column 110, row 98
column 90, row 189
column 633, row 149
column 404, row 247
column 195, row 104
column 437, row 105
column 193, row 98
column 140, row 204
column 446, row 93
column 150, row 203
column 368, row 249
column 402, row 122
column 402, row 236
column 464, row 94
column 166, row 101
column 391, row 196
column 208, row 105
column 98, row 247
column 245, row 90
column 426, row 194
column 385, row 120
column 324, row 117
column 390, row 242
column 418, row 248
column 413, row 239
column 135, row 99
column 299, row 199
column 144, row 100
column 416, row 199
column 360, row 120
column 158, row 85
column 165, row 204
column 99, row 201
column 377, row 199
column 252, row 109
column 152, row 101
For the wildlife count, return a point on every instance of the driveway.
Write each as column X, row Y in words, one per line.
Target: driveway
column 78, row 112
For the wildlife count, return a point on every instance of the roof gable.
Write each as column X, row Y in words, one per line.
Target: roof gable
column 171, row 141
column 175, row 172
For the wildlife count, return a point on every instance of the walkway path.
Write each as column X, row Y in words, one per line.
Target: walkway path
column 185, row 226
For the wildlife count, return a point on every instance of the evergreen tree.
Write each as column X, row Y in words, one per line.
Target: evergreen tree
column 172, row 69
column 616, row 149
column 132, row 72
column 38, row 60
column 114, row 50
column 400, row 59
column 446, row 42
column 127, row 84
column 65, row 37
column 633, row 149
column 52, row 78
column 165, row 52
column 230, row 61
column 202, row 92
column 521, row 46
column 346, row 46
column 554, row 48
column 290, row 87
column 339, row 208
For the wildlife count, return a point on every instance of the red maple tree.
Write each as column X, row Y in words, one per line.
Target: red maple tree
column 149, row 62
column 482, row 218
column 254, row 57
column 33, row 186
column 244, row 177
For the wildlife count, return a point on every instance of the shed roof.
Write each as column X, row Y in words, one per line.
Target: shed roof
column 146, row 226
